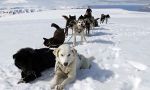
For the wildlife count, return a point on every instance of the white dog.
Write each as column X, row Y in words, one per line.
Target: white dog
column 78, row 29
column 68, row 61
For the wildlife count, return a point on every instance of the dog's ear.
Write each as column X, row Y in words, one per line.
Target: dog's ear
column 66, row 17
column 14, row 56
column 56, row 52
column 97, row 19
column 44, row 38
column 74, row 51
column 70, row 16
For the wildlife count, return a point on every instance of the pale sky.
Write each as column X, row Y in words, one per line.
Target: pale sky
column 14, row 1
column 82, row 1
column 59, row 3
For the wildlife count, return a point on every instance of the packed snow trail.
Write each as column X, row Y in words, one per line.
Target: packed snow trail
column 121, row 50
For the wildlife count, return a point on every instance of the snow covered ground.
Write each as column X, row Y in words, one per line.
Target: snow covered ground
column 121, row 49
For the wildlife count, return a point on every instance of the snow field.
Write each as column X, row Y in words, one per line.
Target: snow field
column 121, row 50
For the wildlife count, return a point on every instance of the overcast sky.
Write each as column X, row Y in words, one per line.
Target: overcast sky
column 54, row 3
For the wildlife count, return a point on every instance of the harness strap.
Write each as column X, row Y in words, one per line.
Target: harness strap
column 58, row 67
column 79, row 56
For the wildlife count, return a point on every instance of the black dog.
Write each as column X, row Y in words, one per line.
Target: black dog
column 70, row 21
column 58, row 38
column 32, row 62
column 104, row 17
column 96, row 22
column 88, row 12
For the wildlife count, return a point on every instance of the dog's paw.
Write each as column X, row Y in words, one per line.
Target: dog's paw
column 52, row 87
column 21, row 81
column 59, row 87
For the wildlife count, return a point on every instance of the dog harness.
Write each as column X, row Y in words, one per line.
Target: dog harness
column 61, row 68
column 79, row 56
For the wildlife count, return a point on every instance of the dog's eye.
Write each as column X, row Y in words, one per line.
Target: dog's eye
column 68, row 55
column 62, row 55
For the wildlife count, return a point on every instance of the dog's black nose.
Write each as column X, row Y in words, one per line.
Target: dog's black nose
column 65, row 64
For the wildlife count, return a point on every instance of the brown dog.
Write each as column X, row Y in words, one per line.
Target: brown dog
column 58, row 38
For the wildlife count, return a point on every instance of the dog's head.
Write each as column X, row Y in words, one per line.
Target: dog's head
column 65, row 54
column 81, row 17
column 23, row 58
column 107, row 16
column 71, row 23
column 72, row 17
column 81, row 24
column 102, row 15
column 70, row 20
column 46, row 42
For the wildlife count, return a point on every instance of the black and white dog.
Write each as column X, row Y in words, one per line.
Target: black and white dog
column 89, row 23
column 32, row 62
column 103, row 18
column 58, row 38
column 70, row 21
column 79, row 29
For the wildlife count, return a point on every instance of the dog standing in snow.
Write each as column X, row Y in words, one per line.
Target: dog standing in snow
column 68, row 61
column 104, row 18
column 78, row 29
column 69, row 23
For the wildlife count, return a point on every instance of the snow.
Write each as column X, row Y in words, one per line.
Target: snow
column 137, row 65
column 121, row 49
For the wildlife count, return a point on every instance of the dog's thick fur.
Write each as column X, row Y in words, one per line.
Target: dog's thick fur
column 88, row 12
column 68, row 62
column 69, row 23
column 88, row 23
column 104, row 18
column 96, row 22
column 58, row 38
column 32, row 62
column 78, row 29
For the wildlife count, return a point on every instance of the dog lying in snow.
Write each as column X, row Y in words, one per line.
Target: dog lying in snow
column 32, row 62
column 58, row 38
column 68, row 61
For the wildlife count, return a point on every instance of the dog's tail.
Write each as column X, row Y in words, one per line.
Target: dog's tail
column 55, row 25
column 65, row 17
column 89, row 61
column 90, row 58
column 97, row 19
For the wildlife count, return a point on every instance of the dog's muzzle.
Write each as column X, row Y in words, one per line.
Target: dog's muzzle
column 79, row 31
column 66, row 63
